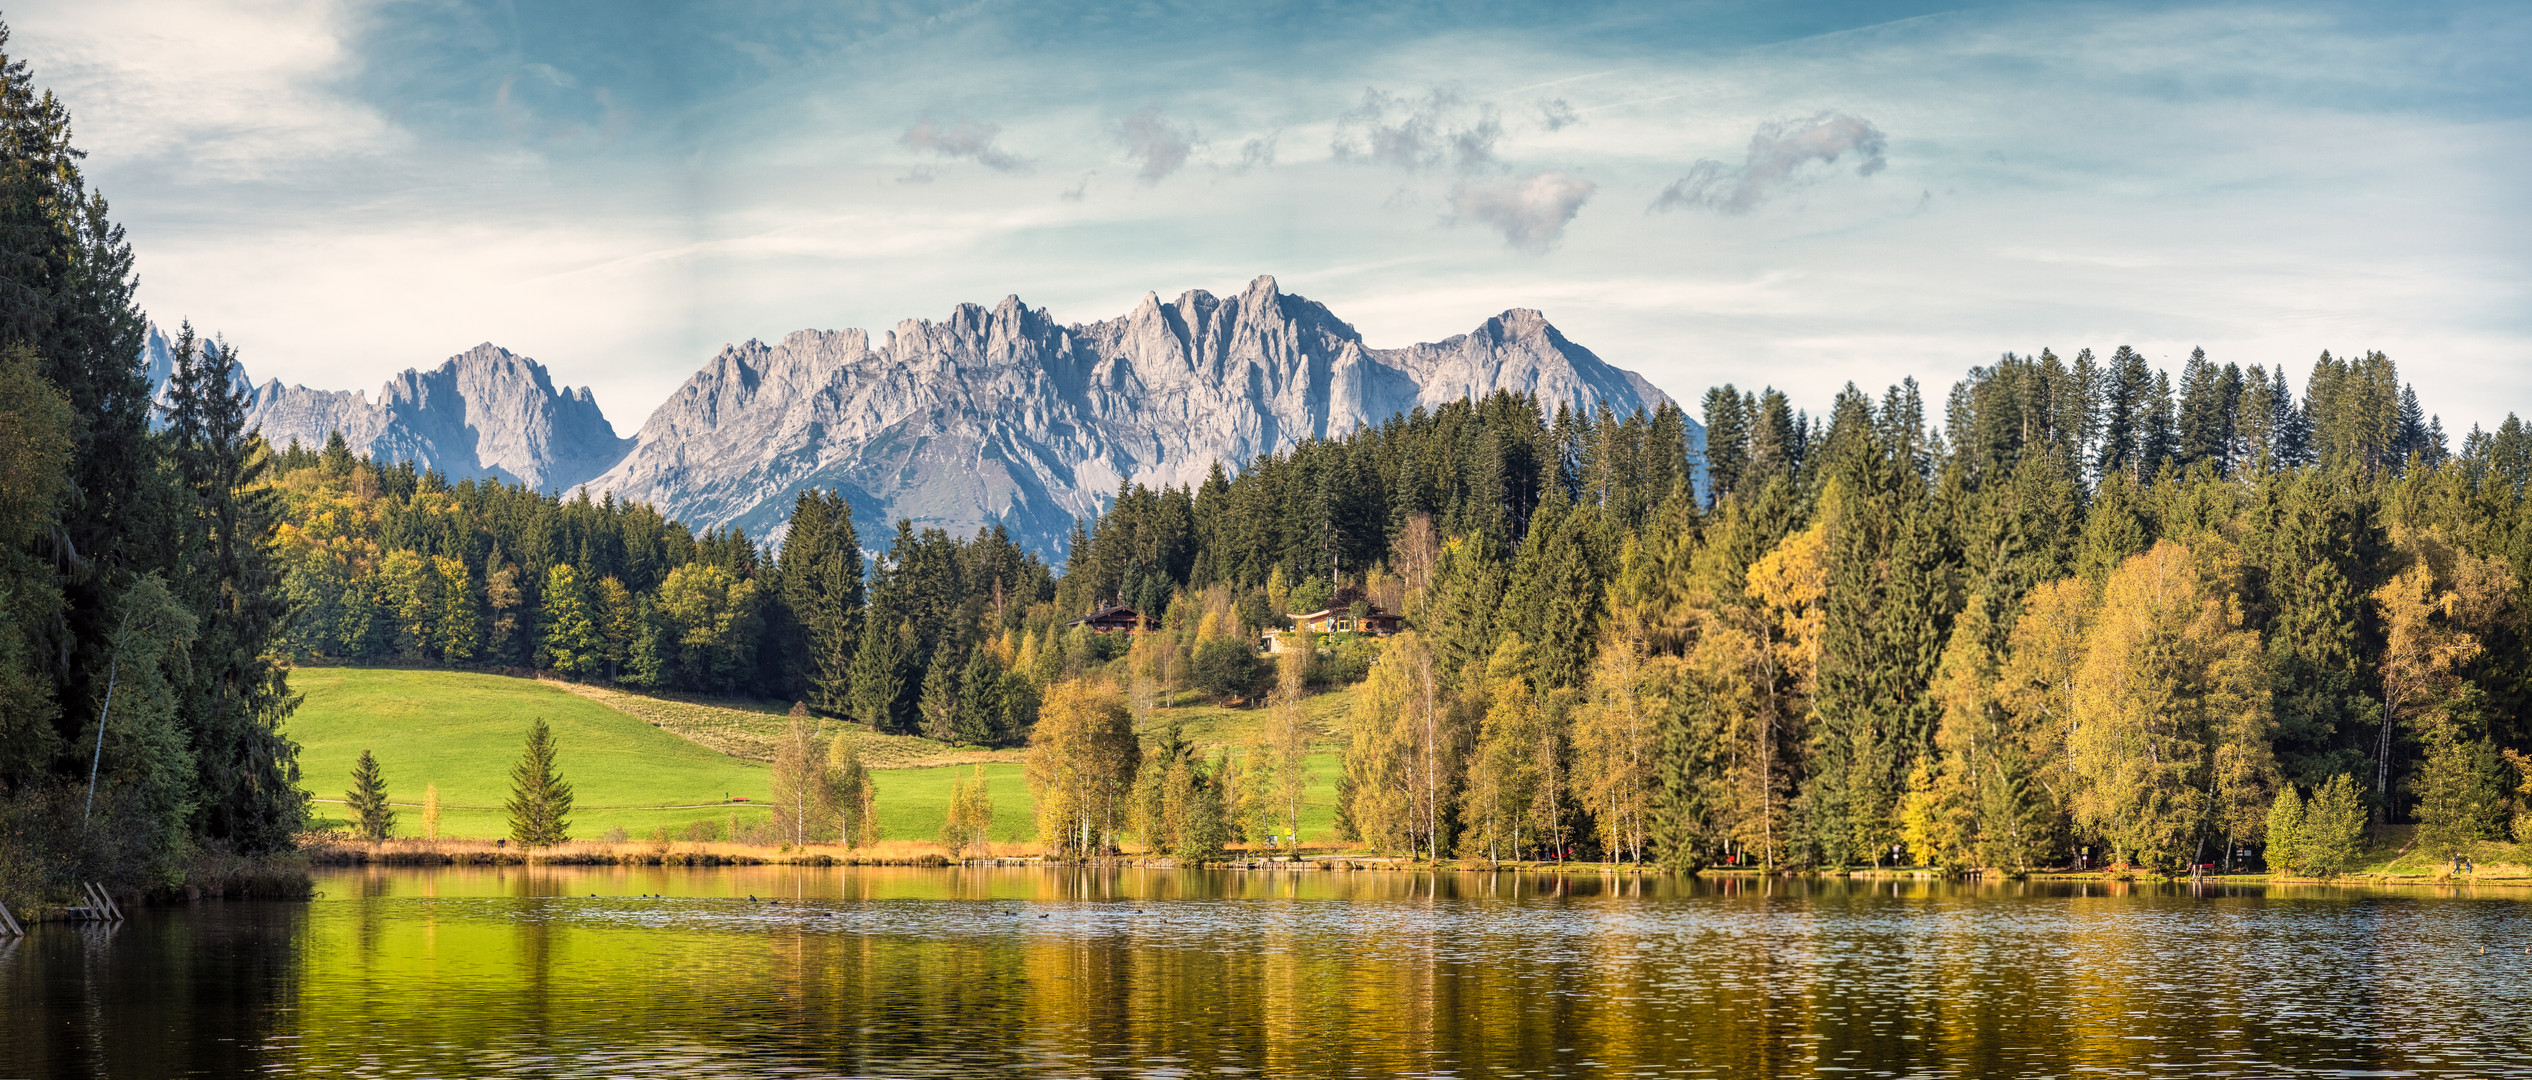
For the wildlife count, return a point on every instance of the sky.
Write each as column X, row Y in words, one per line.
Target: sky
column 1786, row 194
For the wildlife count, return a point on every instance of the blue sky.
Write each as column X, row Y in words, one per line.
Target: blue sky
column 1785, row 194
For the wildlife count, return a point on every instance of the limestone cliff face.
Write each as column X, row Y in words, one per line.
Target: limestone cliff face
column 1003, row 415
column 486, row 412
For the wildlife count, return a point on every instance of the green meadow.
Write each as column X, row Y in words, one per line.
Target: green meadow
column 463, row 731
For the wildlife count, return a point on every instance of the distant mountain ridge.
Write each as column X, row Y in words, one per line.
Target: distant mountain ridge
column 990, row 416
column 486, row 412
column 1002, row 415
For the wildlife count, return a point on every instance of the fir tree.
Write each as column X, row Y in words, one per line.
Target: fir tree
column 822, row 585
column 247, row 781
column 540, row 800
column 367, row 800
column 877, row 681
column 939, row 704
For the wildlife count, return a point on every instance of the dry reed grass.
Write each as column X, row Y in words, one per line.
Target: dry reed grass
column 336, row 850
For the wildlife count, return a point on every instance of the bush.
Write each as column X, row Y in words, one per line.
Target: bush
column 2333, row 828
column 2285, row 831
column 1349, row 659
column 1225, row 667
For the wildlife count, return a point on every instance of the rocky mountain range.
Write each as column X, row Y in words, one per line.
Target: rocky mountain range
column 991, row 415
column 486, row 412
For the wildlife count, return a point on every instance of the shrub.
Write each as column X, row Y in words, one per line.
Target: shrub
column 1225, row 667
column 2333, row 830
column 2285, row 831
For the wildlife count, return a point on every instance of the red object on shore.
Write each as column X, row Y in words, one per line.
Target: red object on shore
column 738, row 798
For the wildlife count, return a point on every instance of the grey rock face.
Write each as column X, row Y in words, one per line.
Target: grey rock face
column 486, row 412
column 1003, row 415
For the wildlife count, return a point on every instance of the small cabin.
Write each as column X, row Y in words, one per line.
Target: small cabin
column 1116, row 619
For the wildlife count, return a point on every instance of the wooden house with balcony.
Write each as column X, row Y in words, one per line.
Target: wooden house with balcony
column 1116, row 619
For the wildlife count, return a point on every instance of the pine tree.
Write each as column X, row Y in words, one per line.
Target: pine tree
column 540, row 800
column 367, row 800
column 822, row 585
column 877, row 680
column 982, row 710
column 939, row 704
column 1727, row 442
column 247, row 775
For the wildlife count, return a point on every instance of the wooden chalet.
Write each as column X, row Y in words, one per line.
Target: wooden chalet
column 1339, row 618
column 1342, row 620
column 1116, row 619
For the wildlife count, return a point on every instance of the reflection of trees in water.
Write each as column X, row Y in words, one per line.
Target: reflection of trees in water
column 1291, row 973
column 200, row 990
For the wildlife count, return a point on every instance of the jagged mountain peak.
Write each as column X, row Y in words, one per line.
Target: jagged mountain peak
column 987, row 415
column 485, row 412
column 1002, row 415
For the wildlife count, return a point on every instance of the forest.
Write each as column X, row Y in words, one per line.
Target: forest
column 2094, row 612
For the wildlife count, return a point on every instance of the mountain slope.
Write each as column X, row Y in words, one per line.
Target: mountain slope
column 1003, row 415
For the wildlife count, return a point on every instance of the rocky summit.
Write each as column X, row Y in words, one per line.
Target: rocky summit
column 486, row 412
column 1004, row 415
column 997, row 415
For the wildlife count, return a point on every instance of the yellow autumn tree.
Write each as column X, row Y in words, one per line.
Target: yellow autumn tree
column 1616, row 737
column 2168, row 746
column 1081, row 765
column 1398, row 765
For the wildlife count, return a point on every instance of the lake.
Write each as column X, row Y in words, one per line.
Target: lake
column 1032, row 971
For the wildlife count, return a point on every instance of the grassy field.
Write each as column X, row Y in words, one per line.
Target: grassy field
column 645, row 764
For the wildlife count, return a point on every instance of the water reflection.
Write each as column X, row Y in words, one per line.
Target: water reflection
column 852, row 971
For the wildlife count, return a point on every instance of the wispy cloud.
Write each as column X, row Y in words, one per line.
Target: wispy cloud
column 1158, row 147
column 1530, row 211
column 1441, row 128
column 1777, row 155
column 1556, row 114
column 1256, row 154
column 970, row 140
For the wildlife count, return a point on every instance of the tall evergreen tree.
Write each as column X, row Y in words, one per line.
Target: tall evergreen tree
column 248, row 772
column 367, row 800
column 540, row 800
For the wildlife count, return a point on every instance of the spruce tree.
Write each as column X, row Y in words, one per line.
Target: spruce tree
column 939, row 703
column 367, row 800
column 877, row 682
column 540, row 800
column 247, row 772
column 822, row 585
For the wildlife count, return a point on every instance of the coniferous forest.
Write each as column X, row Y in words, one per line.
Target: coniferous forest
column 2080, row 609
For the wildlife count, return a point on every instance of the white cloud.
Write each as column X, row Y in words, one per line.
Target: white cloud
column 218, row 90
column 1530, row 211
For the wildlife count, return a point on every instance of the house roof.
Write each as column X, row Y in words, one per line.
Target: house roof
column 1112, row 611
column 1323, row 613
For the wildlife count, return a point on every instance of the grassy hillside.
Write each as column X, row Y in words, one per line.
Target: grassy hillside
column 643, row 763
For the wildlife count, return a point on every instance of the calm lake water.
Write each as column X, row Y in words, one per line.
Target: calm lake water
column 566, row 972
